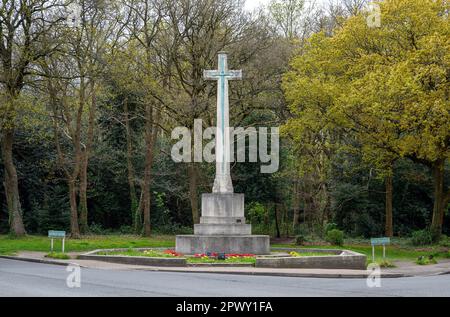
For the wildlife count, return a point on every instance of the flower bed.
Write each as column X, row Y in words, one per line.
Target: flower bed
column 210, row 257
column 297, row 254
column 227, row 258
column 284, row 258
column 147, row 253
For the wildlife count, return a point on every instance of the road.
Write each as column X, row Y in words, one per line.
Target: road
column 18, row 278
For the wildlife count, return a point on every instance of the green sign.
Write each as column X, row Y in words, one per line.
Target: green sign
column 380, row 241
column 56, row 234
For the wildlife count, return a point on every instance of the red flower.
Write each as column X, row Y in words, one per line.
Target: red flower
column 172, row 252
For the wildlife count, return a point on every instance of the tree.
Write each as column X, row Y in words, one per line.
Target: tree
column 95, row 34
column 71, row 78
column 144, row 23
column 290, row 18
column 23, row 26
column 386, row 86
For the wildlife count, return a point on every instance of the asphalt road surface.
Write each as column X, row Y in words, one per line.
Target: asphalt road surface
column 18, row 278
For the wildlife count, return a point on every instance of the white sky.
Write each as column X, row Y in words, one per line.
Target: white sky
column 252, row 4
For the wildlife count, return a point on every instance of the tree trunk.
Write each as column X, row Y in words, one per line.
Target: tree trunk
column 326, row 210
column 277, row 225
column 83, row 195
column 135, row 210
column 308, row 210
column 74, row 228
column 296, row 204
column 12, row 185
column 138, row 213
column 193, row 194
column 389, row 229
column 151, row 133
column 73, row 176
column 147, row 170
column 85, row 162
column 439, row 198
column 285, row 220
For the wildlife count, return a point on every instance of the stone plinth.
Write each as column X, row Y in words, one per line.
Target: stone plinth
column 193, row 244
column 222, row 228
column 222, row 214
column 222, row 206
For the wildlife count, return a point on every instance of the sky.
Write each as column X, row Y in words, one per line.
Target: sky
column 252, row 4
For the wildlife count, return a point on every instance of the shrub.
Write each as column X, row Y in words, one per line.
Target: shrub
column 330, row 226
column 426, row 260
column 300, row 239
column 58, row 255
column 96, row 229
column 335, row 237
column 256, row 212
column 126, row 229
column 386, row 264
column 421, row 237
column 444, row 241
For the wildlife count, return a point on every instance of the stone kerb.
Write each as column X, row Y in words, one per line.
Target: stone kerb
column 133, row 260
column 346, row 259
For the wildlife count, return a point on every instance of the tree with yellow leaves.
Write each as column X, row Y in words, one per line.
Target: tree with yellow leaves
column 388, row 86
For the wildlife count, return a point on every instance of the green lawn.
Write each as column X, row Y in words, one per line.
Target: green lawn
column 190, row 259
column 9, row 246
column 393, row 252
column 131, row 252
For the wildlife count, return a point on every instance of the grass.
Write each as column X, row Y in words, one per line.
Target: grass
column 426, row 260
column 146, row 253
column 234, row 260
column 394, row 252
column 58, row 255
column 398, row 251
column 189, row 259
column 10, row 245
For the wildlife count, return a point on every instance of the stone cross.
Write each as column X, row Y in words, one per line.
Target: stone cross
column 222, row 226
column 222, row 181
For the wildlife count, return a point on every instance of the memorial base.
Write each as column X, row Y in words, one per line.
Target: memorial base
column 241, row 244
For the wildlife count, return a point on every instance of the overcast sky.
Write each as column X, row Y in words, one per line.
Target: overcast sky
column 252, row 4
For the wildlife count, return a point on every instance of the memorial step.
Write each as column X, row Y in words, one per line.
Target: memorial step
column 222, row 229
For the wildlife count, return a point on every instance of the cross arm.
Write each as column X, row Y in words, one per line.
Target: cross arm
column 211, row 75
column 234, row 75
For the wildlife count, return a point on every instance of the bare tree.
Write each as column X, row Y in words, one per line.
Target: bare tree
column 292, row 18
column 71, row 78
column 142, row 24
column 23, row 25
column 198, row 31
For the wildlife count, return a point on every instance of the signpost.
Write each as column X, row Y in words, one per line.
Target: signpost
column 379, row 241
column 53, row 234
